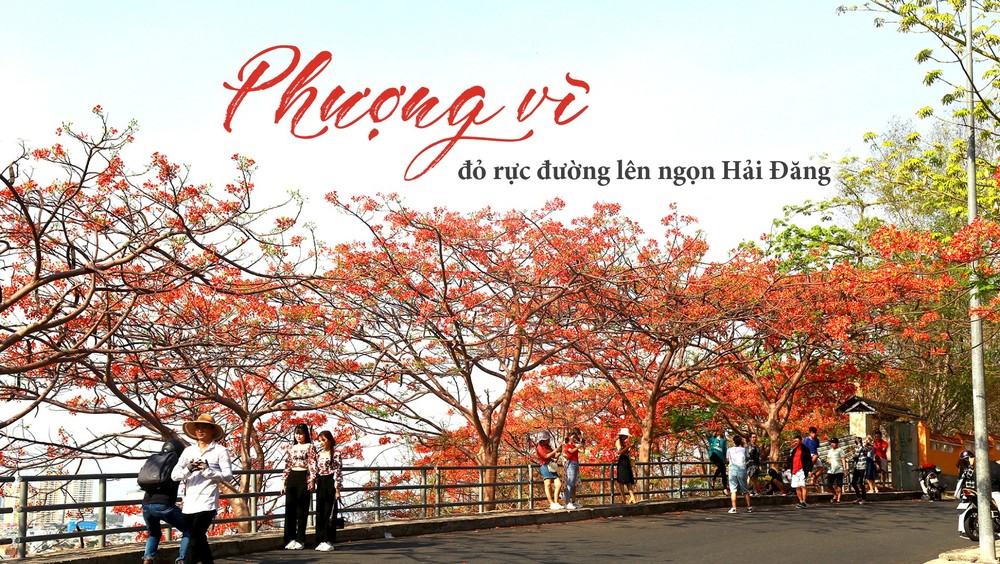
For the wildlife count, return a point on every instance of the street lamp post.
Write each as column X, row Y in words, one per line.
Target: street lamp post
column 987, row 548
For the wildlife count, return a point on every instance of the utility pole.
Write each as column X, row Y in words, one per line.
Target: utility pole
column 987, row 548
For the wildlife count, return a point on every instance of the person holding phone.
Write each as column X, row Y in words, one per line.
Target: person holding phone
column 202, row 467
column 624, row 476
column 571, row 450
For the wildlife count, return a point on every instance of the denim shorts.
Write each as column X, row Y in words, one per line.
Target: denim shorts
column 546, row 473
column 738, row 480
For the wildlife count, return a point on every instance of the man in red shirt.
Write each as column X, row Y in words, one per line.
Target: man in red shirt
column 800, row 463
column 881, row 457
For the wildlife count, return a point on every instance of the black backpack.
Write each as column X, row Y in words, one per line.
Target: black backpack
column 154, row 476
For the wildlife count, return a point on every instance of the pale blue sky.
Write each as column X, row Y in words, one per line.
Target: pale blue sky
column 672, row 83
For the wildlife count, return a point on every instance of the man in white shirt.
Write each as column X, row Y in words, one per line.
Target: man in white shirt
column 202, row 467
column 737, row 462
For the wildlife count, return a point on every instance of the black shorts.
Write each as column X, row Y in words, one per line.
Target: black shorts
column 835, row 480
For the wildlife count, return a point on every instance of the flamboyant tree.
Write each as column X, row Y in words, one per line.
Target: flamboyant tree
column 805, row 340
column 653, row 323
column 125, row 291
column 451, row 311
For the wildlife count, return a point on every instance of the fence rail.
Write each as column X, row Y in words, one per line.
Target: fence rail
column 375, row 494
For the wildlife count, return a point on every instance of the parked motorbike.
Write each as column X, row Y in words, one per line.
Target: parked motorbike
column 968, row 510
column 930, row 481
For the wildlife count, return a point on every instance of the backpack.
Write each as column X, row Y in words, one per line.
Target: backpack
column 154, row 476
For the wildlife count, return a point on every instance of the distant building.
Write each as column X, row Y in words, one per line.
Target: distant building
column 51, row 492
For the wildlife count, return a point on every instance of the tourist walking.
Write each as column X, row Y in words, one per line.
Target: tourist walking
column 624, row 476
column 835, row 473
column 329, row 481
column 549, row 469
column 159, row 502
column 736, row 458
column 859, row 466
column 800, row 462
column 571, row 451
column 871, row 471
column 202, row 467
column 297, row 483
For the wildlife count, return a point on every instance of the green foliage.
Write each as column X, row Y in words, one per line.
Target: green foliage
column 915, row 180
column 948, row 23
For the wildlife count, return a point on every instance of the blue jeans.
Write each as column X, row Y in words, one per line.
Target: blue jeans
column 153, row 513
column 572, row 476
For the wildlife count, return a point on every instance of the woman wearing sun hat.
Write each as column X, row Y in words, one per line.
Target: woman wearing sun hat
column 202, row 467
column 548, row 468
column 623, row 469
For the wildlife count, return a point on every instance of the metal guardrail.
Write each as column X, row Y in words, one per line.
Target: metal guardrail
column 388, row 493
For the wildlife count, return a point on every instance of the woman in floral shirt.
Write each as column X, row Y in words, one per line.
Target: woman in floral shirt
column 328, row 486
column 298, row 481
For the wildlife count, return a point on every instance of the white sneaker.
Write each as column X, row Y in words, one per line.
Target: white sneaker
column 298, row 545
column 555, row 506
column 324, row 547
column 732, row 510
column 570, row 505
column 291, row 545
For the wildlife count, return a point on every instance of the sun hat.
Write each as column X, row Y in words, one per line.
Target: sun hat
column 544, row 436
column 204, row 419
column 624, row 432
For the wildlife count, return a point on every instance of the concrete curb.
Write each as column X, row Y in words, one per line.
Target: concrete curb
column 235, row 545
column 970, row 554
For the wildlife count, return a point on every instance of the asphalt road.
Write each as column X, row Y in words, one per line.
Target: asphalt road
column 887, row 532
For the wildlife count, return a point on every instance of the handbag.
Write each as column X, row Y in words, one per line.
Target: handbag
column 337, row 522
column 553, row 467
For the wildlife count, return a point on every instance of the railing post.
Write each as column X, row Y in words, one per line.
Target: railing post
column 437, row 491
column 531, row 488
column 600, row 475
column 482, row 478
column 102, row 512
column 254, row 500
column 520, row 488
column 22, row 522
column 378, row 495
column 423, row 491
column 680, row 481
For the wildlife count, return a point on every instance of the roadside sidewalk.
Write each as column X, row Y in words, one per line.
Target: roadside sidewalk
column 235, row 545
column 968, row 554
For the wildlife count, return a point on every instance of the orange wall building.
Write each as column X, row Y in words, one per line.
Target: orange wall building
column 943, row 450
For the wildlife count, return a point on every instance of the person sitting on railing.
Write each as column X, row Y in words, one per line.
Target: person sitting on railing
column 548, row 469
column 717, row 445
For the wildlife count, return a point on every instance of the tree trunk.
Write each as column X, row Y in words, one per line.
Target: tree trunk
column 488, row 456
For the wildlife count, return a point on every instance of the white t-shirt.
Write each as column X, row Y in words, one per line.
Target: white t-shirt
column 836, row 458
column 737, row 456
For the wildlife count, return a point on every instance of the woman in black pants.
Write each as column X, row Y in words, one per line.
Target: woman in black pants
column 299, row 480
column 860, row 467
column 328, row 483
